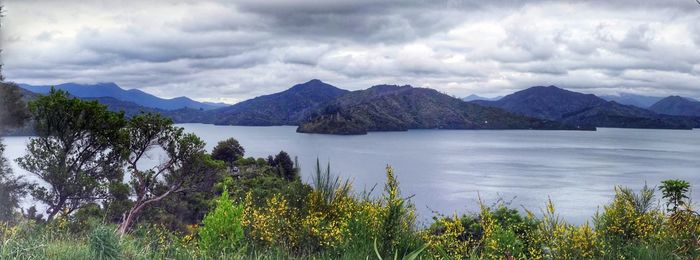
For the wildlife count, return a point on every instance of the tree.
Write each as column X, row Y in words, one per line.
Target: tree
column 187, row 166
column 73, row 152
column 13, row 113
column 13, row 109
column 675, row 191
column 228, row 151
column 284, row 165
column 11, row 189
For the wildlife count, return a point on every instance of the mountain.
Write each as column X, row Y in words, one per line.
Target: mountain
column 399, row 108
column 633, row 99
column 675, row 105
column 289, row 107
column 579, row 109
column 473, row 97
column 132, row 95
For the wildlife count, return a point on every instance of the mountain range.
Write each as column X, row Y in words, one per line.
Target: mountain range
column 289, row 107
column 318, row 107
column 633, row 99
column 132, row 95
column 584, row 110
column 473, row 97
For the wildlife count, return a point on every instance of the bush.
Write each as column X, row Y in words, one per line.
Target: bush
column 104, row 243
column 222, row 230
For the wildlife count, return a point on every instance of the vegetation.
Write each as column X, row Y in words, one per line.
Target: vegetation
column 399, row 108
column 13, row 114
column 189, row 207
column 228, row 151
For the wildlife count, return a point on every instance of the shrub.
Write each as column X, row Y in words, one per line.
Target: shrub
column 675, row 191
column 104, row 243
column 222, row 230
column 397, row 218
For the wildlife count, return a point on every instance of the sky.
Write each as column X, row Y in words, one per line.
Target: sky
column 229, row 51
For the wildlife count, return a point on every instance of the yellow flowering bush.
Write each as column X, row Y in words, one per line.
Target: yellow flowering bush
column 448, row 238
column 326, row 224
column 499, row 241
column 275, row 223
column 622, row 221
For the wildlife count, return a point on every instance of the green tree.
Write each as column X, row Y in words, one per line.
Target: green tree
column 11, row 189
column 187, row 166
column 675, row 192
column 13, row 109
column 73, row 152
column 229, row 151
column 284, row 165
column 13, row 113
column 222, row 229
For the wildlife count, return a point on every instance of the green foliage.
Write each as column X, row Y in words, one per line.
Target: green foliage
column 11, row 189
column 104, row 243
column 329, row 187
column 284, row 166
column 229, row 151
column 13, row 109
column 675, row 191
column 73, row 151
column 187, row 167
column 397, row 217
column 222, row 231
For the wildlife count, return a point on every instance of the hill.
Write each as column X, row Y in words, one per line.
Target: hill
column 399, row 108
column 473, row 97
column 633, row 99
column 289, row 107
column 579, row 109
column 132, row 95
column 676, row 105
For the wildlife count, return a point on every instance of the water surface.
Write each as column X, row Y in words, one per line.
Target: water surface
column 449, row 170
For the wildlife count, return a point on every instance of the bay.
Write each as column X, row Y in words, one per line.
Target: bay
column 452, row 171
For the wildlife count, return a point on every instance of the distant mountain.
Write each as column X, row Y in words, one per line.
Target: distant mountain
column 473, row 97
column 182, row 115
column 633, row 99
column 679, row 106
column 133, row 95
column 289, row 107
column 399, row 108
column 579, row 109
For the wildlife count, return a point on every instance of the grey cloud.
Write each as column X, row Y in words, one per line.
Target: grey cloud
column 637, row 38
column 242, row 49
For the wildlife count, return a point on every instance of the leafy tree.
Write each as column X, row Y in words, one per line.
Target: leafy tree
column 73, row 151
column 187, row 166
column 13, row 113
column 11, row 189
column 284, row 165
column 675, row 191
column 13, row 109
column 228, row 151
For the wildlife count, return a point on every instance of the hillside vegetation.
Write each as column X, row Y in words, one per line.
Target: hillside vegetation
column 399, row 108
column 223, row 205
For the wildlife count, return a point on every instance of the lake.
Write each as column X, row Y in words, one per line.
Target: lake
column 449, row 170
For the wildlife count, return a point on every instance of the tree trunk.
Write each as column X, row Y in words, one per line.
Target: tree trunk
column 129, row 218
column 54, row 210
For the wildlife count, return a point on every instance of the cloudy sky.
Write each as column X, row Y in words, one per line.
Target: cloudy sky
column 233, row 50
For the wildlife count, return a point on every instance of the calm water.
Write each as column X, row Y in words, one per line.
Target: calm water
column 448, row 170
